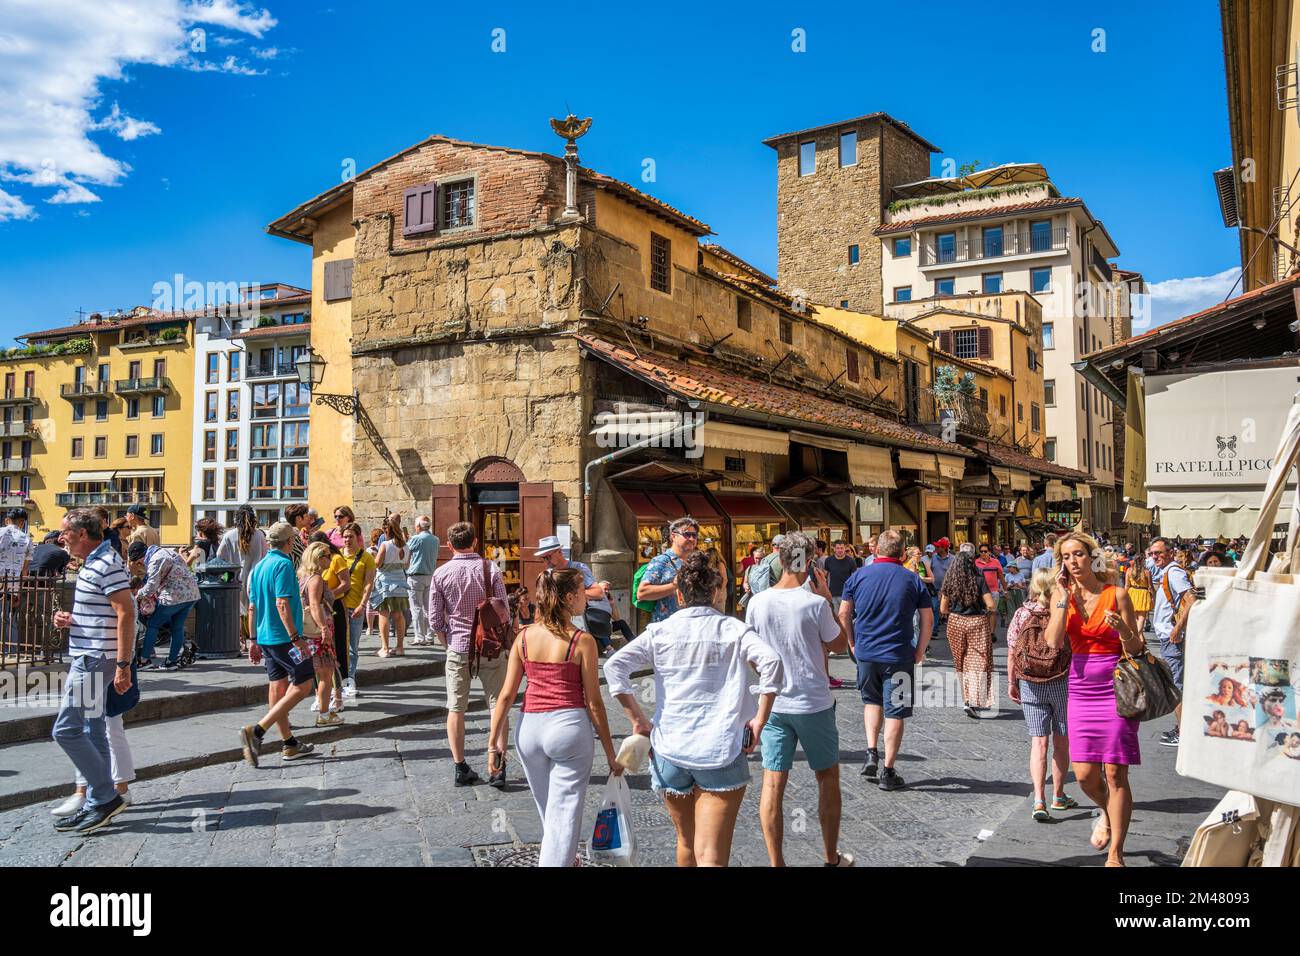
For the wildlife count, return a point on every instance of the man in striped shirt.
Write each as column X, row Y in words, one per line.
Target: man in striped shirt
column 100, row 644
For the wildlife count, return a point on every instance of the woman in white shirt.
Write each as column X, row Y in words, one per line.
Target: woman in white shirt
column 706, row 722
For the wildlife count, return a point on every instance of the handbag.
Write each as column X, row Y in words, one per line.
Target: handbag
column 1144, row 686
column 1239, row 725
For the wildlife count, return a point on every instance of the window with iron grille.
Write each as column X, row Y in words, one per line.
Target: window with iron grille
column 734, row 464
column 966, row 343
column 744, row 321
column 786, row 331
column 660, row 263
column 458, row 204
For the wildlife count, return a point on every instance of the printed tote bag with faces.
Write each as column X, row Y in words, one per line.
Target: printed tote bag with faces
column 1239, row 727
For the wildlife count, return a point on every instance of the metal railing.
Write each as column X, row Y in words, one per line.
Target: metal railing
column 156, row 383
column 18, row 429
column 995, row 247
column 27, row 608
column 272, row 370
column 15, row 464
column 1100, row 264
column 15, row 398
column 84, row 390
column 14, row 500
column 84, row 499
column 969, row 413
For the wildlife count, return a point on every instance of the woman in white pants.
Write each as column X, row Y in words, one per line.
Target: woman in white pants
column 123, row 769
column 561, row 705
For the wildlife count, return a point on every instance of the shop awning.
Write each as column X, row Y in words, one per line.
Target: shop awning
column 668, row 472
column 951, row 467
column 741, row 438
column 698, row 506
column 1021, row 480
column 918, row 461
column 820, row 441
column 813, row 514
column 754, row 507
column 1003, row 475
column 1084, row 491
column 91, row 475
column 1136, row 514
column 641, row 506
column 1210, row 512
column 1056, row 491
column 142, row 473
column 871, row 467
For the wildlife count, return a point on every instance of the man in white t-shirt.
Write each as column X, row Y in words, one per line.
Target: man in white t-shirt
column 800, row 626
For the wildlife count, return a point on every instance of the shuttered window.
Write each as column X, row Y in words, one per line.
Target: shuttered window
column 338, row 280
column 852, row 359
column 421, row 210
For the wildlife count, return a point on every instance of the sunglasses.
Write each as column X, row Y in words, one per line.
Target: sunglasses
column 340, row 517
column 689, row 534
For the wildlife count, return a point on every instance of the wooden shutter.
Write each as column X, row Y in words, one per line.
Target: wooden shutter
column 986, row 342
column 420, row 213
column 945, row 342
column 338, row 280
column 852, row 357
column 446, row 512
column 536, row 521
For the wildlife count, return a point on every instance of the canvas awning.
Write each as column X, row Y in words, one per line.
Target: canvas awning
column 951, row 467
column 760, row 441
column 1213, row 512
column 918, row 461
column 1136, row 514
column 1021, row 480
column 871, row 467
column 142, row 473
column 80, row 476
column 1003, row 475
column 820, row 441
column 1083, row 491
column 1056, row 491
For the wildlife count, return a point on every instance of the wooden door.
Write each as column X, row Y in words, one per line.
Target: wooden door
column 536, row 521
column 447, row 510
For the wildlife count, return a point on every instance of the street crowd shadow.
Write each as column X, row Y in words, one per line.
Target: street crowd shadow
column 972, row 785
column 1177, row 805
column 211, row 812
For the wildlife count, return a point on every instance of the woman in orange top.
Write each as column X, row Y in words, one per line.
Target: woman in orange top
column 1098, row 618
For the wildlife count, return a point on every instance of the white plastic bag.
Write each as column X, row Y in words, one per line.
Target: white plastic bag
column 634, row 752
column 612, row 839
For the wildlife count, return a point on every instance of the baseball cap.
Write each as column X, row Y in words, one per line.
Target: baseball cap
column 138, row 510
column 929, row 549
column 943, row 543
column 279, row 533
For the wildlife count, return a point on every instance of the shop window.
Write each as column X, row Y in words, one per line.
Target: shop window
column 734, row 464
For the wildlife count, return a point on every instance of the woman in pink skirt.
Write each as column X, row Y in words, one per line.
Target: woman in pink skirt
column 1098, row 618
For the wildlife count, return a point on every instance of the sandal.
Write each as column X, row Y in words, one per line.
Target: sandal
column 383, row 652
column 1040, row 812
column 1064, row 802
column 1102, row 826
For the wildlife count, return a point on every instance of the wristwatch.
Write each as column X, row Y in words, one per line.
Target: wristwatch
column 123, row 663
column 1062, row 605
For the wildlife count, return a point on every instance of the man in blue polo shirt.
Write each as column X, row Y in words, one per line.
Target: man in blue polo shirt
column 878, row 603
column 275, row 629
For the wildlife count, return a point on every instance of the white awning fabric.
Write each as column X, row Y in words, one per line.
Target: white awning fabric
column 820, row 441
column 1003, row 475
column 1084, row 491
column 91, row 475
column 871, row 467
column 143, row 473
column 1056, row 491
column 951, row 467
column 1021, row 481
column 759, row 441
column 1136, row 514
column 918, row 461
column 1213, row 512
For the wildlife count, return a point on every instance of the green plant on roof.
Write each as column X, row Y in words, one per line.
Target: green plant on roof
column 264, row 321
column 170, row 335
column 941, row 199
column 40, row 349
column 949, row 383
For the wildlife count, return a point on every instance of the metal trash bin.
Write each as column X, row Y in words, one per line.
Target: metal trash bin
column 216, row 622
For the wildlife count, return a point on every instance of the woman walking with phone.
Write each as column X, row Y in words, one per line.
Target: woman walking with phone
column 318, row 629
column 561, row 706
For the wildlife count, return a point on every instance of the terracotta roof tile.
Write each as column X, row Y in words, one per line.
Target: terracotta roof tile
column 984, row 212
column 1010, row 457
column 726, row 255
column 718, row 385
column 267, row 331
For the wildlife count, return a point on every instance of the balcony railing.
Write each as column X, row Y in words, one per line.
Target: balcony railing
column 82, row 499
column 12, row 465
column 272, row 370
column 14, row 501
column 968, row 413
column 990, row 247
column 1100, row 264
column 18, row 398
column 18, row 430
column 142, row 386
column 79, row 390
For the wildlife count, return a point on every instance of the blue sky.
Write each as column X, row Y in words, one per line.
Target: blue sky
column 190, row 153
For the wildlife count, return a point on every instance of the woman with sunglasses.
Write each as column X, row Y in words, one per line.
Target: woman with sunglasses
column 343, row 517
column 994, row 575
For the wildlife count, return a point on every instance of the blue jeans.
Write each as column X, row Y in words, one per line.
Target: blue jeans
column 355, row 624
column 80, row 729
column 173, row 614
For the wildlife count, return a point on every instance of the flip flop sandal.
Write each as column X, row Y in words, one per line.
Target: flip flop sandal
column 1040, row 812
column 1064, row 803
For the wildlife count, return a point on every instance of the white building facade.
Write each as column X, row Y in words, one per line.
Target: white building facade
column 251, row 414
column 950, row 241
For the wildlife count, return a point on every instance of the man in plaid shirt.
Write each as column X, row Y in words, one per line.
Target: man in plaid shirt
column 455, row 591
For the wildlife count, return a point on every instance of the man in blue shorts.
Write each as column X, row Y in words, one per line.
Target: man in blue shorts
column 879, row 601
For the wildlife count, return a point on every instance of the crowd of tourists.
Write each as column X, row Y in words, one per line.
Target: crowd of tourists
column 307, row 596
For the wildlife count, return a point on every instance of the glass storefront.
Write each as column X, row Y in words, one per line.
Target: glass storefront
column 500, row 538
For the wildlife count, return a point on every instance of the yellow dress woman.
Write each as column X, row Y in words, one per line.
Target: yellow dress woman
column 1138, row 584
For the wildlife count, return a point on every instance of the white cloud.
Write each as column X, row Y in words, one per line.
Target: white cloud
column 267, row 53
column 1174, row 298
column 57, row 54
column 222, row 40
column 229, row 65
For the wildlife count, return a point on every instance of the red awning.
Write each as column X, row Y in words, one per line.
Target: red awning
column 698, row 507
column 642, row 506
column 667, row 503
column 749, row 506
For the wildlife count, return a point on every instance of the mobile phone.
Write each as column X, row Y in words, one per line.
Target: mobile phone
column 748, row 740
column 295, row 655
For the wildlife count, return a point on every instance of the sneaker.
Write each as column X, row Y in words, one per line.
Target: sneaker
column 466, row 777
column 836, row 683
column 890, row 780
column 302, row 750
column 336, row 703
column 169, row 666
column 841, row 859
column 329, row 719
column 69, row 806
column 1169, row 735
column 1170, row 739
column 88, row 819
column 349, row 688
column 252, row 746
column 146, row 665
column 871, row 769
column 315, row 705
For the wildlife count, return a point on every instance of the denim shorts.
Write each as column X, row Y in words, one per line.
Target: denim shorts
column 816, row 732
column 677, row 781
column 888, row 684
column 1173, row 655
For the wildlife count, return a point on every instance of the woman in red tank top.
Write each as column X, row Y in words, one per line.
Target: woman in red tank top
column 1097, row 618
column 561, row 705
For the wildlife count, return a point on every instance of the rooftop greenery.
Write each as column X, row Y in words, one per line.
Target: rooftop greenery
column 66, row 347
column 940, row 199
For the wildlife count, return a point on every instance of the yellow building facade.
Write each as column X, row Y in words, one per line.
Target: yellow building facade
column 101, row 414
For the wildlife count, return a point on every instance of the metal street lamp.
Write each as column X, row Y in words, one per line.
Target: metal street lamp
column 311, row 372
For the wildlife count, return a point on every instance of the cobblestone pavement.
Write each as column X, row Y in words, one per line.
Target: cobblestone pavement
column 388, row 799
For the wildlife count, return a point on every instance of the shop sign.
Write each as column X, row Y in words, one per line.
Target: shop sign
column 936, row 502
column 871, row 509
column 966, row 506
column 989, row 505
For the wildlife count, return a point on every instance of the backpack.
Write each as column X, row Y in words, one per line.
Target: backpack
column 492, row 624
column 1036, row 660
column 647, row 606
column 760, row 576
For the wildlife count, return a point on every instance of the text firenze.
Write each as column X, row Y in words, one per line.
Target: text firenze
column 1233, row 466
column 75, row 909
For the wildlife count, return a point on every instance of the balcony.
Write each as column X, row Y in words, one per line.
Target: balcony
column 15, row 466
column 18, row 430
column 156, row 385
column 14, row 501
column 14, row 398
column 84, row 499
column 1100, row 264
column 272, row 370
column 79, row 391
column 968, row 413
column 1010, row 244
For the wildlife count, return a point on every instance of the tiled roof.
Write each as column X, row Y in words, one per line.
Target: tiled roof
column 645, row 200
column 984, row 212
column 697, row 380
column 111, row 325
column 1010, row 457
column 883, row 117
column 268, row 331
column 726, row 255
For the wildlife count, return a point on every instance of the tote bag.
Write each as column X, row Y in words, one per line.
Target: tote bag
column 1240, row 728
